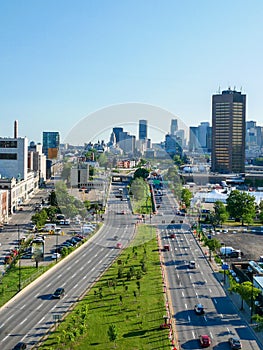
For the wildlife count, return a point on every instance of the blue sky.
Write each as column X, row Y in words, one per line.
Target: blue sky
column 63, row 60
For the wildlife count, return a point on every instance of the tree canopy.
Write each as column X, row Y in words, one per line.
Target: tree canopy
column 141, row 172
column 241, row 205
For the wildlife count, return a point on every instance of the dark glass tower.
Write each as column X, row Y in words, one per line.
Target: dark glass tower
column 142, row 129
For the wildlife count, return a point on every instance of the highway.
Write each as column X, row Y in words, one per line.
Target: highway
column 188, row 287
column 33, row 311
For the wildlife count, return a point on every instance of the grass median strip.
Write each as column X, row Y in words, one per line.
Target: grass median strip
column 124, row 309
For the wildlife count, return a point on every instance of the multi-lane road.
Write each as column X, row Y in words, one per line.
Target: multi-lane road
column 188, row 287
column 33, row 311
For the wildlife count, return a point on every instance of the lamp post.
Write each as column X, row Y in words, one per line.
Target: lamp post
column 19, row 260
column 252, row 296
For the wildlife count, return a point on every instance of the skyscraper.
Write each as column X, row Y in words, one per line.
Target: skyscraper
column 51, row 144
column 174, row 126
column 228, row 134
column 142, row 129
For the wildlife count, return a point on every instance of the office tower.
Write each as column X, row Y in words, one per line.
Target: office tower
column 173, row 145
column 228, row 123
column 51, row 144
column 174, row 126
column 193, row 139
column 202, row 134
column 142, row 129
column 117, row 132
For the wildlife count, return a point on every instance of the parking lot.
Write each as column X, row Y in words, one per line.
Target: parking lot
column 249, row 242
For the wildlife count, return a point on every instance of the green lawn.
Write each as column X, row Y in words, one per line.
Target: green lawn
column 129, row 296
column 9, row 283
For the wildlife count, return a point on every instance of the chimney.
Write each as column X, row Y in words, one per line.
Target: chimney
column 16, row 129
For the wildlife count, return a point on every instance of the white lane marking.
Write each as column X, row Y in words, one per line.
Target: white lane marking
column 68, row 268
column 5, row 338
column 81, row 268
column 183, row 294
column 9, row 318
column 201, row 272
column 88, row 261
column 75, row 286
column 185, row 305
column 59, row 275
column 193, row 333
column 210, row 290
column 190, row 277
column 84, row 277
column 196, row 294
column 77, row 261
column 23, row 321
column 49, row 285
column 2, row 325
column 41, row 319
column 53, row 307
column 22, row 307
column 74, row 274
column 93, row 269
column 211, row 334
column 39, row 306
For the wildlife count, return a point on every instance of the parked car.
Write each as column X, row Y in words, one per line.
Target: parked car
column 59, row 293
column 235, row 343
column 205, row 340
column 55, row 256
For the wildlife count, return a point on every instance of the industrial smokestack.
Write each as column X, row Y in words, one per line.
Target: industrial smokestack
column 16, row 129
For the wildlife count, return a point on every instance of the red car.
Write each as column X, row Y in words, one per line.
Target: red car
column 205, row 340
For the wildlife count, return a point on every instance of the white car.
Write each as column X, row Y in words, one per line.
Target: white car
column 55, row 256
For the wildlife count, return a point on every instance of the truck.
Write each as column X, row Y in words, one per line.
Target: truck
column 229, row 252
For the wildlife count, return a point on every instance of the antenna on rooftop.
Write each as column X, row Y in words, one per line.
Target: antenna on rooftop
column 219, row 90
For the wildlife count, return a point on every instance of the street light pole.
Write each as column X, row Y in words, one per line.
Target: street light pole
column 252, row 297
column 19, row 261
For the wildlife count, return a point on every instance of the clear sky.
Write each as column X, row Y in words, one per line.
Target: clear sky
column 63, row 60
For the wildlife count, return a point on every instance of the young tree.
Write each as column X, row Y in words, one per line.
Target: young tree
column 212, row 244
column 112, row 333
column 186, row 197
column 245, row 291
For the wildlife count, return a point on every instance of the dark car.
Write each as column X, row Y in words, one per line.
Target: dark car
column 205, row 340
column 20, row 346
column 199, row 309
column 59, row 293
column 235, row 343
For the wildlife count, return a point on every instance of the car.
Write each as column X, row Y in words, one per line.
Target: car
column 191, row 264
column 20, row 346
column 59, row 293
column 235, row 343
column 55, row 256
column 199, row 309
column 205, row 340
